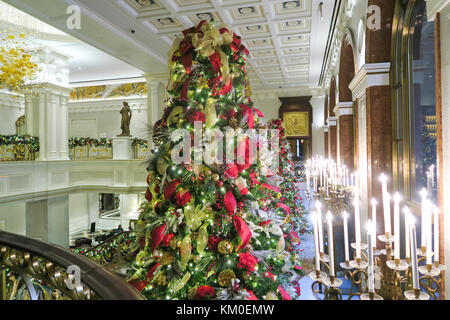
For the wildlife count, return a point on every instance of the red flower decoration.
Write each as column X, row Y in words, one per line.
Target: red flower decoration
column 213, row 241
column 247, row 261
column 166, row 240
column 170, row 189
column 231, row 172
column 243, row 231
column 182, row 198
column 263, row 223
column 205, row 292
column 195, row 115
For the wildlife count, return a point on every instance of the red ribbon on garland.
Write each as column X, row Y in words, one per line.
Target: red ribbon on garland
column 243, row 231
column 247, row 110
column 285, row 207
column 157, row 236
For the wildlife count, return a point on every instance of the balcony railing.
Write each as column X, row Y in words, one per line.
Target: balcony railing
column 112, row 254
column 34, row 270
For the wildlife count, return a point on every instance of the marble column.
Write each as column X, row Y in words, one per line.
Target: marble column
column 128, row 209
column 371, row 90
column 325, row 134
column 344, row 115
column 332, row 138
column 155, row 100
column 93, row 209
column 46, row 112
column 48, row 220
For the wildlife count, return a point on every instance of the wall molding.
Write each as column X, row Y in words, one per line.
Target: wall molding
column 109, row 105
column 370, row 75
column 435, row 6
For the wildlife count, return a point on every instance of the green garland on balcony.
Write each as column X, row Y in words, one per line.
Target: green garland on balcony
column 19, row 140
column 81, row 142
column 140, row 142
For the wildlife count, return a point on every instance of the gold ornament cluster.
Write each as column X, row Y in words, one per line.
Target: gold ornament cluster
column 226, row 277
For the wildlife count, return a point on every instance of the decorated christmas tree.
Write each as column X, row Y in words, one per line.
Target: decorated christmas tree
column 213, row 229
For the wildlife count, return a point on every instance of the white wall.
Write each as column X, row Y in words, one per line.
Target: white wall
column 108, row 122
column 14, row 218
column 78, row 212
column 11, row 108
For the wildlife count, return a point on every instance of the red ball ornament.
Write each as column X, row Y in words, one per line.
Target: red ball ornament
column 220, row 183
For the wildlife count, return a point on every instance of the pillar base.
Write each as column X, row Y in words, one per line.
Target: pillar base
column 122, row 148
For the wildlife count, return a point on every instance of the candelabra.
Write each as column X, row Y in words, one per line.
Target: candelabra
column 397, row 278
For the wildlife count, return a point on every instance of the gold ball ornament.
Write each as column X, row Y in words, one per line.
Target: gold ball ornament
column 226, row 277
column 225, row 247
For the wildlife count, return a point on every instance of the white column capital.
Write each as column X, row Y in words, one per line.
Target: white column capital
column 370, row 75
column 343, row 109
column 332, row 121
column 325, row 129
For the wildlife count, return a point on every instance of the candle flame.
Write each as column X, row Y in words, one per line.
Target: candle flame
column 374, row 202
column 436, row 210
column 383, row 178
column 345, row 215
column 329, row 216
column 318, row 205
column 424, row 193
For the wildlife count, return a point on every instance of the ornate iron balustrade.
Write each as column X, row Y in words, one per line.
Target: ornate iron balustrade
column 111, row 254
column 35, row 270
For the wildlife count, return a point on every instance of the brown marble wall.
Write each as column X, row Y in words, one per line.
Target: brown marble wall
column 326, row 144
column 332, row 135
column 332, row 103
column 378, row 42
column 379, row 140
column 346, row 149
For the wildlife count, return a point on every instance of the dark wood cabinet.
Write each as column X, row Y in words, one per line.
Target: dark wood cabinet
column 297, row 113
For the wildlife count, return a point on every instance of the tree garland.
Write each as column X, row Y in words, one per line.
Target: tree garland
column 20, row 140
column 81, row 142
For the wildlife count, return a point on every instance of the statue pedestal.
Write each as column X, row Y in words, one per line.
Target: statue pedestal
column 122, row 149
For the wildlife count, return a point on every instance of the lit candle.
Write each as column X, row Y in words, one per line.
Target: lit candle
column 386, row 205
column 316, row 241
column 319, row 223
column 415, row 271
column 374, row 224
column 347, row 256
column 330, row 243
column 347, row 182
column 407, row 236
column 436, row 235
column 429, row 233
column 357, row 227
column 423, row 239
column 371, row 271
column 397, row 226
column 307, row 180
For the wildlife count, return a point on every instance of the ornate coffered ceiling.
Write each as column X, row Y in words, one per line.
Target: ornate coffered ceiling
column 286, row 38
column 278, row 33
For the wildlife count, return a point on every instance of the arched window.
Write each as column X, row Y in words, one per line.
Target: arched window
column 414, row 100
